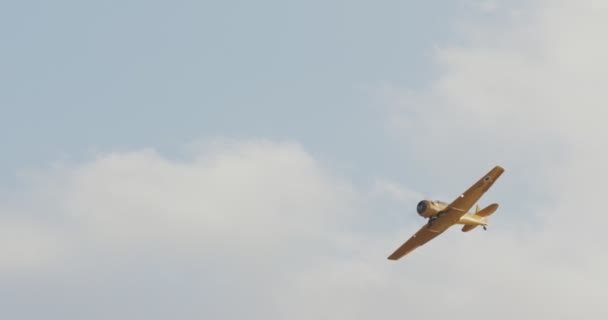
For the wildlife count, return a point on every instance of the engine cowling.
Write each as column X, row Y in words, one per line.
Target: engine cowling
column 428, row 208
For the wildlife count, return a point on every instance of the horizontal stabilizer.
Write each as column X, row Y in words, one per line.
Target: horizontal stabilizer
column 468, row 227
column 487, row 210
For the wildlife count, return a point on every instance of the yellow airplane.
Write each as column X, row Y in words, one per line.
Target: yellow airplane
column 442, row 215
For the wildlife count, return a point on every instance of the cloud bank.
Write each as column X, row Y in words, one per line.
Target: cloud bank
column 232, row 232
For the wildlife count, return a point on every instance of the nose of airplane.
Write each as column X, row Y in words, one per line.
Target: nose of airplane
column 421, row 208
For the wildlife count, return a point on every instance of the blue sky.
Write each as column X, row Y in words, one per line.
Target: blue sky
column 260, row 160
column 81, row 76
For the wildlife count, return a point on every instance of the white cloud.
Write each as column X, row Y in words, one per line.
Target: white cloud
column 28, row 246
column 395, row 191
column 240, row 221
column 258, row 193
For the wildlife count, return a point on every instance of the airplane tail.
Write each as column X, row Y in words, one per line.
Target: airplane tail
column 483, row 213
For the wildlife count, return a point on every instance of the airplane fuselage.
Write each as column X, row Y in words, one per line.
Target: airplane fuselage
column 472, row 220
column 433, row 209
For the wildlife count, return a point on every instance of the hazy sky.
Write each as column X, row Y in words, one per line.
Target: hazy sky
column 85, row 76
column 260, row 160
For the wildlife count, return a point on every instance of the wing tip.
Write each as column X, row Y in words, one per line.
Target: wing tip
column 496, row 172
column 400, row 254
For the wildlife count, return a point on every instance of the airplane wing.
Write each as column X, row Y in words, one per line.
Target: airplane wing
column 424, row 235
column 452, row 214
column 465, row 201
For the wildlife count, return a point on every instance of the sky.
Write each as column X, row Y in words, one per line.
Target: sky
column 238, row 159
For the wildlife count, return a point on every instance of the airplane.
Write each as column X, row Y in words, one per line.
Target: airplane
column 442, row 215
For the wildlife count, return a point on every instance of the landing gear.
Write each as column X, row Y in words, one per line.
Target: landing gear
column 435, row 217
